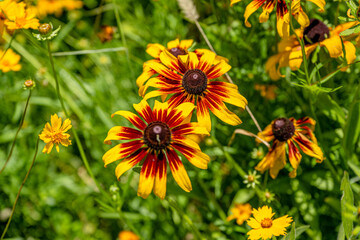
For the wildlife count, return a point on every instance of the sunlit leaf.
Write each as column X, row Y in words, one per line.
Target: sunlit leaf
column 347, row 202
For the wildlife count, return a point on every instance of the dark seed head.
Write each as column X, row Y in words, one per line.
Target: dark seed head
column 157, row 135
column 194, row 81
column 317, row 31
column 283, row 129
column 177, row 51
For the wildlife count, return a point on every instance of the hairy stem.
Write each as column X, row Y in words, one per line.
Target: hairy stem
column 17, row 132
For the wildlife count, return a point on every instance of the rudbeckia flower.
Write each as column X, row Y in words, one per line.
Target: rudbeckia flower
column 316, row 34
column 241, row 212
column 191, row 78
column 159, row 133
column 10, row 61
column 264, row 226
column 55, row 134
column 291, row 133
column 282, row 13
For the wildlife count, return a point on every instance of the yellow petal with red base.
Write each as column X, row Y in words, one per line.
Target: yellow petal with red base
column 160, row 177
column 294, row 157
column 234, row 1
column 122, row 133
column 144, row 111
column 147, row 176
column 131, row 117
column 274, row 159
column 195, row 156
column 202, row 114
column 206, row 61
column 178, row 171
column 218, row 70
column 130, row 162
column 169, row 60
column 164, row 71
column 154, row 49
column 121, row 150
column 250, row 9
column 308, row 147
column 267, row 9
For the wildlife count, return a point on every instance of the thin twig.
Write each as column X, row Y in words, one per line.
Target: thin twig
column 22, row 185
column 17, row 132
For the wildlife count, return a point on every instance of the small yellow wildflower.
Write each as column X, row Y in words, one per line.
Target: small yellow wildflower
column 241, row 212
column 55, row 134
column 128, row 235
column 23, row 19
column 45, row 7
column 9, row 61
column 264, row 227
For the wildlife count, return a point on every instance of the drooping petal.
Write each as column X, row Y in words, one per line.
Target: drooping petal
column 189, row 128
column 121, row 150
column 274, row 159
column 267, row 134
column 195, row 156
column 250, row 9
column 202, row 114
column 267, row 9
column 144, row 111
column 283, row 27
column 350, row 52
column 178, row 171
column 334, row 46
column 130, row 162
column 296, row 57
column 272, row 67
column 308, row 147
column 131, row 117
column 147, row 176
column 294, row 157
column 160, row 176
column 146, row 74
column 122, row 133
column 320, row 4
column 227, row 94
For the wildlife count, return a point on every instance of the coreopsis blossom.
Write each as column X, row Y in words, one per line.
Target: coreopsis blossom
column 9, row 61
column 241, row 212
column 291, row 133
column 22, row 19
column 127, row 235
column 264, row 226
column 161, row 131
column 55, row 134
column 192, row 78
column 8, row 8
column 316, row 34
column 46, row 7
column 282, row 13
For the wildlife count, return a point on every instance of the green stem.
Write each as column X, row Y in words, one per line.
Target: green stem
column 18, row 194
column 78, row 142
column 213, row 200
column 176, row 207
column 17, row 132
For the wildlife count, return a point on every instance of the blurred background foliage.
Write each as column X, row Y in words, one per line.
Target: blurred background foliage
column 60, row 200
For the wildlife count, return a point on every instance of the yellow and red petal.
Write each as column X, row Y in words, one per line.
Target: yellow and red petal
column 274, row 159
column 154, row 49
column 178, row 171
column 121, row 150
column 206, row 61
column 186, row 44
column 178, row 114
column 147, row 176
column 283, row 27
column 189, row 128
column 160, row 176
column 251, row 8
column 144, row 111
column 308, row 147
column 164, row 71
column 306, row 120
column 131, row 117
column 302, row 18
column 195, row 156
column 217, row 107
column 232, row 2
column 146, row 74
column 173, row 44
column 192, row 61
column 202, row 114
column 130, row 162
column 267, row 134
column 267, row 9
column 185, row 140
column 180, row 97
column 294, row 157
column 170, row 60
column 320, row 4
column 227, row 93
column 122, row 133
column 218, row 70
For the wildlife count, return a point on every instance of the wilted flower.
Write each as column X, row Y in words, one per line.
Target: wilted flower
column 55, row 134
column 241, row 212
column 264, row 226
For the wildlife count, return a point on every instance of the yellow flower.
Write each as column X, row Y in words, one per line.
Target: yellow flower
column 160, row 132
column 45, row 7
column 316, row 34
column 267, row 91
column 282, row 12
column 241, row 212
column 23, row 19
column 264, row 227
column 55, row 134
column 127, row 235
column 9, row 61
column 289, row 132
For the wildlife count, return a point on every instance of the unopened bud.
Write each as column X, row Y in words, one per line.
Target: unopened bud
column 45, row 28
column 29, row 84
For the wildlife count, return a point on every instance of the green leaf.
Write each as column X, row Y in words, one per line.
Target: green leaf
column 352, row 126
column 341, row 233
column 330, row 108
column 347, row 203
column 355, row 168
column 292, row 234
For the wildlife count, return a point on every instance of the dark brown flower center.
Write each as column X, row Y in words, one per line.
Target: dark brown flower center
column 283, row 129
column 157, row 135
column 266, row 223
column 317, row 31
column 177, row 51
column 194, row 81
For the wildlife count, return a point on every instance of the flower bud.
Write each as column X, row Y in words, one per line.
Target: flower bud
column 29, row 84
column 45, row 28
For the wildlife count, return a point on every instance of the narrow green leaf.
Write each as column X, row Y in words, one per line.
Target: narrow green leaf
column 355, row 168
column 292, row 234
column 341, row 233
column 347, row 202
